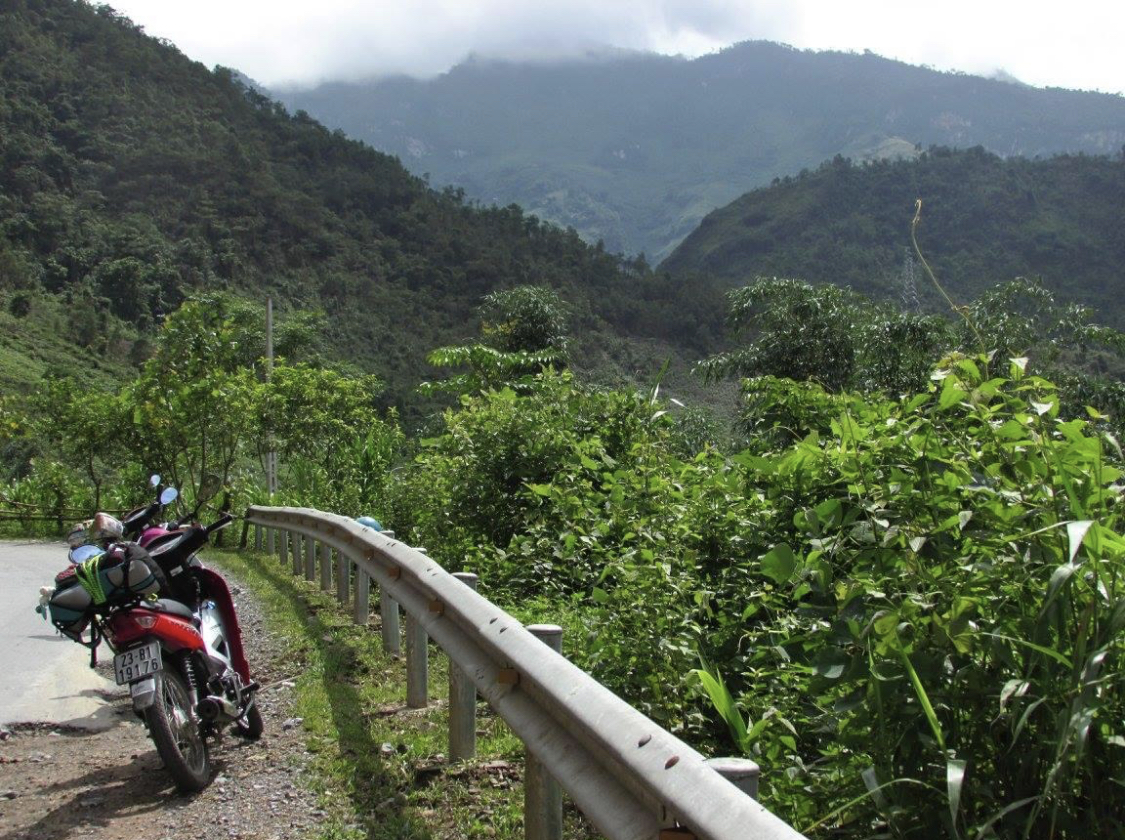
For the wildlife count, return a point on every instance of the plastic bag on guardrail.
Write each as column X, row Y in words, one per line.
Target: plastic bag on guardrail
column 370, row 522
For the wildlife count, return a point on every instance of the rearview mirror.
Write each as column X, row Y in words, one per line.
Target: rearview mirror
column 169, row 495
column 84, row 553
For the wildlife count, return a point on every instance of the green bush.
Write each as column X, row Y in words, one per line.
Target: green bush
column 916, row 603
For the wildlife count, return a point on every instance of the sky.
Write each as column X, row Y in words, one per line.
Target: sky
column 283, row 43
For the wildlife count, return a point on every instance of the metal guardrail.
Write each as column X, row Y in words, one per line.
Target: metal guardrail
column 632, row 779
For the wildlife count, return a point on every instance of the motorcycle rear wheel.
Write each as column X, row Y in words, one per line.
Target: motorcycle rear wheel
column 250, row 726
column 175, row 730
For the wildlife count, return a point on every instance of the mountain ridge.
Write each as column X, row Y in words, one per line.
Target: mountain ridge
column 636, row 151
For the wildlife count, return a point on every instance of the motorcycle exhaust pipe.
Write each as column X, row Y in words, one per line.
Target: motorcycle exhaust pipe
column 214, row 707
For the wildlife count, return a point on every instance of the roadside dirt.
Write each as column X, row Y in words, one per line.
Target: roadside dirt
column 60, row 783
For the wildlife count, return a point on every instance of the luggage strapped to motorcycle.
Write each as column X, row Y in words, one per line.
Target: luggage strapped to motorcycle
column 87, row 575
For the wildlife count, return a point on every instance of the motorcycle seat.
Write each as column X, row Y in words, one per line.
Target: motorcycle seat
column 169, row 606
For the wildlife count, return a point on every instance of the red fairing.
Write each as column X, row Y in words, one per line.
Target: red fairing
column 174, row 632
column 151, row 534
column 218, row 591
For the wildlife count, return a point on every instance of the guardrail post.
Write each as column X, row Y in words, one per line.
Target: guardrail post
column 542, row 795
column 343, row 577
column 310, row 558
column 417, row 664
column 325, row 567
column 462, row 700
column 392, row 630
column 362, row 596
column 740, row 772
column 284, row 548
column 295, row 544
column 257, row 537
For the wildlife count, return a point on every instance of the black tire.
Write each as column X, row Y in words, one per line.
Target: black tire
column 250, row 726
column 174, row 729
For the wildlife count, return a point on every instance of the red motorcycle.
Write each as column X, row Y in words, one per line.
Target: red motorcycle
column 180, row 653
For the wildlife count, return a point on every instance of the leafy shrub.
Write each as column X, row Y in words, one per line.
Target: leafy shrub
column 915, row 603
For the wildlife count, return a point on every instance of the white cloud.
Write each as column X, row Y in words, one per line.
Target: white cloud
column 284, row 41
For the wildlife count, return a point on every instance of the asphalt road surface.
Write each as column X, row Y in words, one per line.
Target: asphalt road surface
column 44, row 676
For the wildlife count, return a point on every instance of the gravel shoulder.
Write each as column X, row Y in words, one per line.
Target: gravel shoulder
column 64, row 782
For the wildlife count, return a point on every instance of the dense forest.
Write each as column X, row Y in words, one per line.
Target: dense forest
column 131, row 177
column 635, row 149
column 895, row 581
column 984, row 220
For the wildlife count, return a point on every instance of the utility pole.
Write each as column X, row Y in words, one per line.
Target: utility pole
column 271, row 455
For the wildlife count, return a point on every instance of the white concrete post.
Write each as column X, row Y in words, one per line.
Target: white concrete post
column 392, row 629
column 542, row 795
column 310, row 558
column 343, row 577
column 740, row 772
column 462, row 700
column 325, row 567
column 362, row 594
column 417, row 664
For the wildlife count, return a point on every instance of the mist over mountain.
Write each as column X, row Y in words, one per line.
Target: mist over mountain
column 132, row 177
column 635, row 149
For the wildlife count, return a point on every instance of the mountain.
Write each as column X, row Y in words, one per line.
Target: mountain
column 635, row 149
column 131, row 176
column 984, row 220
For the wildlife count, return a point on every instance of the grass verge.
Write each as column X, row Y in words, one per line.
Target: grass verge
column 379, row 768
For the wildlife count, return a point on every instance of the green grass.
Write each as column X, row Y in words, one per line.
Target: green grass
column 379, row 769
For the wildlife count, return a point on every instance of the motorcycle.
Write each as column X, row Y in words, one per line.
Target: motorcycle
column 180, row 653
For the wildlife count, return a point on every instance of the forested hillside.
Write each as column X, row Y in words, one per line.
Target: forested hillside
column 984, row 220
column 131, row 177
column 635, row 149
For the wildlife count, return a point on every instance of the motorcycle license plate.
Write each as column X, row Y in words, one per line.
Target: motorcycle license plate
column 137, row 662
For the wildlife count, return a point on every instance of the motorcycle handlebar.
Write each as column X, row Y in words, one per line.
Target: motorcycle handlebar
column 140, row 518
column 222, row 522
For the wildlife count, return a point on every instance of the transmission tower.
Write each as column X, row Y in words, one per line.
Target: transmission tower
column 910, row 302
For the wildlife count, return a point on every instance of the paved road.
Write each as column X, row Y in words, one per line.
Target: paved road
column 43, row 675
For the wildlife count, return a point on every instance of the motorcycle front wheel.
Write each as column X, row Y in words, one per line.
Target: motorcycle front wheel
column 175, row 731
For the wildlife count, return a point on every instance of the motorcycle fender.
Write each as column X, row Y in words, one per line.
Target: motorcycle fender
column 143, row 693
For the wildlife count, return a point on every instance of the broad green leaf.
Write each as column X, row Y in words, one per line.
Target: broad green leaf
column 951, row 394
column 831, row 663
column 779, row 563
